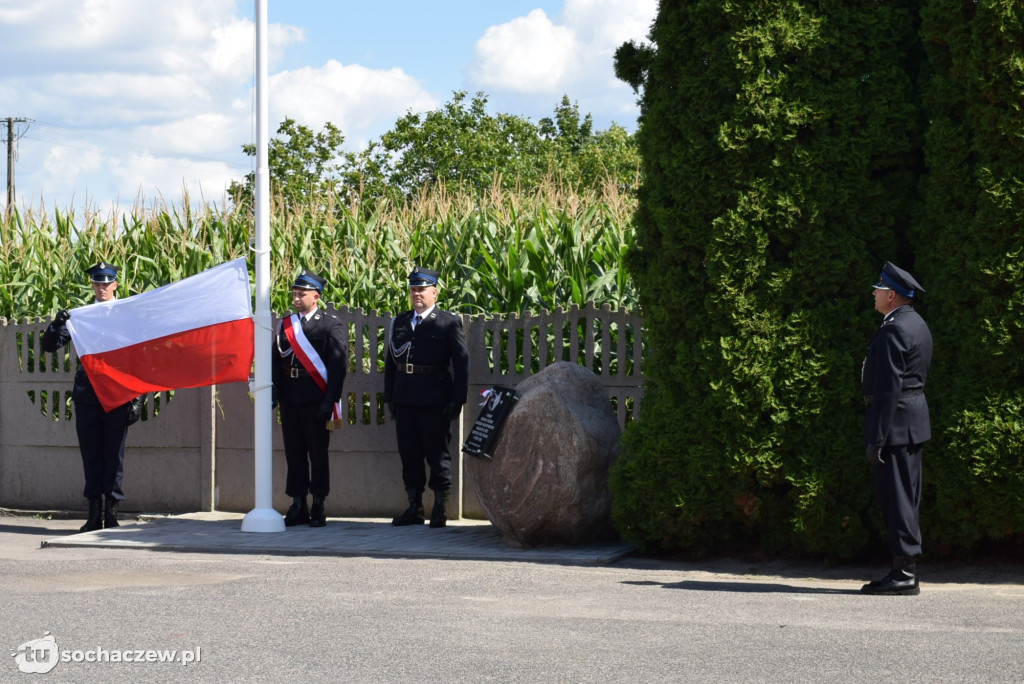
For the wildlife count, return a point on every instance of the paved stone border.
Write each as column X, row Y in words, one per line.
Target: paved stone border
column 221, row 533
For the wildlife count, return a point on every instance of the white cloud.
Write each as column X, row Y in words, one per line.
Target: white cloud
column 527, row 54
column 161, row 179
column 533, row 54
column 209, row 134
column 65, row 164
column 154, row 96
column 73, row 35
column 606, row 24
column 355, row 99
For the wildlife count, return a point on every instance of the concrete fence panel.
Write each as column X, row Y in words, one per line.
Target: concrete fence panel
column 194, row 449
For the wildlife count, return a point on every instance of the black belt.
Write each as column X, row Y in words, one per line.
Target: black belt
column 868, row 398
column 427, row 370
column 296, row 372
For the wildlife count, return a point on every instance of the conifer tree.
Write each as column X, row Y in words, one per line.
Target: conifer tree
column 781, row 146
column 972, row 262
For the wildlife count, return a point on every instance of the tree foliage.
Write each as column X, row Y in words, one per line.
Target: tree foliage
column 459, row 145
column 789, row 149
column 302, row 165
column 972, row 253
column 780, row 162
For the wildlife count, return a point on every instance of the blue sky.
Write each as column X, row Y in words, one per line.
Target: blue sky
column 143, row 100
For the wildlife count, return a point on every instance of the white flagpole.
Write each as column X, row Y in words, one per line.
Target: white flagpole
column 263, row 518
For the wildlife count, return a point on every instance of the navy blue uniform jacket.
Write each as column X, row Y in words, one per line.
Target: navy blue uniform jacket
column 328, row 337
column 55, row 337
column 437, row 342
column 893, row 379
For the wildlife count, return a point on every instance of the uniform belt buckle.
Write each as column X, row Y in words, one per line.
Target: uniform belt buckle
column 409, row 369
column 293, row 372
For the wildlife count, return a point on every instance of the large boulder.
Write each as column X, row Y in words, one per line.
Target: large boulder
column 548, row 480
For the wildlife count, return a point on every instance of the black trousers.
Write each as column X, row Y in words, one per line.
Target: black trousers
column 898, row 487
column 424, row 433
column 306, row 439
column 101, row 438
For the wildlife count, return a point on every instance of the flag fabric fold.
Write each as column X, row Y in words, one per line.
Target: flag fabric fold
column 192, row 333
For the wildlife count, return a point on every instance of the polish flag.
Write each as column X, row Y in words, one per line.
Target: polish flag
column 192, row 333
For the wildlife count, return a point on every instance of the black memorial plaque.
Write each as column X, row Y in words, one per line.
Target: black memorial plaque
column 498, row 402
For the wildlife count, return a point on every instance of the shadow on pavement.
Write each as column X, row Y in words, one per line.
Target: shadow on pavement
column 746, row 587
column 39, row 531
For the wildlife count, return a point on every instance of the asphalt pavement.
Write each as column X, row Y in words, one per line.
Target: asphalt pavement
column 194, row 599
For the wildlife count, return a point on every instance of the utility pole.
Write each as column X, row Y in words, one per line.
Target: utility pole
column 10, row 162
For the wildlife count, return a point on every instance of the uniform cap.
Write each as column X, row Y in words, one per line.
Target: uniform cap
column 423, row 277
column 307, row 280
column 895, row 278
column 102, row 273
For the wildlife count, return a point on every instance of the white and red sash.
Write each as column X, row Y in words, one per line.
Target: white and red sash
column 310, row 361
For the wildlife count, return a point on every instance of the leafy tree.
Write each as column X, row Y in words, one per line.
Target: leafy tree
column 303, row 165
column 586, row 158
column 566, row 128
column 460, row 145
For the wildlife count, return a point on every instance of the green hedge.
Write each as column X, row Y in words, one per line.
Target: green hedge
column 971, row 251
column 783, row 146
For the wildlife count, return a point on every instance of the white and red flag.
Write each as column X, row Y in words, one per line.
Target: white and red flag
column 192, row 333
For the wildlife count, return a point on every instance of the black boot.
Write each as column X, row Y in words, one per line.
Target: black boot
column 438, row 517
column 317, row 518
column 901, row 580
column 95, row 519
column 110, row 512
column 298, row 514
column 414, row 514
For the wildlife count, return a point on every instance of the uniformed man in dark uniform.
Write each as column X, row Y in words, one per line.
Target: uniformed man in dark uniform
column 101, row 434
column 897, row 424
column 426, row 379
column 309, row 365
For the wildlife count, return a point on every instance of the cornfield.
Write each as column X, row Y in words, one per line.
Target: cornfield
column 501, row 252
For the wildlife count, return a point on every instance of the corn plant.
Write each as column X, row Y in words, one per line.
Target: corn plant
column 498, row 252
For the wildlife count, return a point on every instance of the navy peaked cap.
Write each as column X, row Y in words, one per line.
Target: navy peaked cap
column 307, row 280
column 423, row 277
column 102, row 273
column 895, row 278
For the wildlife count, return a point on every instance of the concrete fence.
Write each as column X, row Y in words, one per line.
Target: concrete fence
column 194, row 448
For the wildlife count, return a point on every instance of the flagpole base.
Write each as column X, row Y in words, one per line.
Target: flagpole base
column 263, row 520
